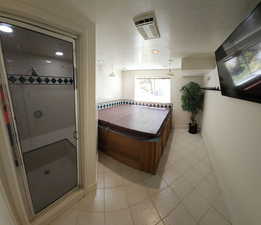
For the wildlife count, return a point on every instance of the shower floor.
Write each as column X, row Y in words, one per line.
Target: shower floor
column 51, row 172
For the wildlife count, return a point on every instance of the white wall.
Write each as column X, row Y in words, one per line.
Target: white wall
column 180, row 118
column 232, row 131
column 107, row 88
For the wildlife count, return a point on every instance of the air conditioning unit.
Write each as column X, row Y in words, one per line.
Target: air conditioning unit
column 146, row 25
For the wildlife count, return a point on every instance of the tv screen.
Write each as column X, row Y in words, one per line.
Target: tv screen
column 239, row 60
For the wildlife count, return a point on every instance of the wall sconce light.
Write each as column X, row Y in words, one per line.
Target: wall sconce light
column 170, row 73
column 112, row 74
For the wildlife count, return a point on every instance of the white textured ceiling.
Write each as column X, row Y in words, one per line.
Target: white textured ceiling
column 187, row 27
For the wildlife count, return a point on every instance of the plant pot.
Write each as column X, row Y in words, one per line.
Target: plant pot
column 193, row 128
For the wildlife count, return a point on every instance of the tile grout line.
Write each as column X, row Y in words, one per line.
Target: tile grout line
column 203, row 215
column 221, row 214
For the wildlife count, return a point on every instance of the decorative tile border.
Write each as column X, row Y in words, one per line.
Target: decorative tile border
column 39, row 80
column 115, row 103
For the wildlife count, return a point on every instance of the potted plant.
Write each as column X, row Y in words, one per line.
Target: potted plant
column 192, row 101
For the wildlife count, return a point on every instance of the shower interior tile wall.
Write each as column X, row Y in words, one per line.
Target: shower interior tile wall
column 23, row 63
column 48, row 99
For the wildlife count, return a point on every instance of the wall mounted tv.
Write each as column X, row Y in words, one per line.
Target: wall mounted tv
column 239, row 60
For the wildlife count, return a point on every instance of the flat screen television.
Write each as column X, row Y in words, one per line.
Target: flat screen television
column 239, row 60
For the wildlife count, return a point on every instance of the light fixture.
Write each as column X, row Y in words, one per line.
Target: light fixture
column 6, row 28
column 170, row 70
column 155, row 51
column 59, row 53
column 48, row 61
column 112, row 74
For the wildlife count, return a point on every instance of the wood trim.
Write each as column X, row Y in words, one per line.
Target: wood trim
column 139, row 154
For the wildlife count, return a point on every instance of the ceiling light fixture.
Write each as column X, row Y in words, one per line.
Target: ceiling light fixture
column 112, row 74
column 170, row 70
column 59, row 53
column 6, row 28
column 48, row 61
column 155, row 51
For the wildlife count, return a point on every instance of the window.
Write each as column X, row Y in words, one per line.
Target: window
column 152, row 89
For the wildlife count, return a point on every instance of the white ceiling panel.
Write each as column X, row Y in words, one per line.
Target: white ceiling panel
column 187, row 27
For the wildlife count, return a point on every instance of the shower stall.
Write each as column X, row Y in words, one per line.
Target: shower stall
column 39, row 94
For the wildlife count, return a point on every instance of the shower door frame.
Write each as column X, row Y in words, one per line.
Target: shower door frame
column 17, row 151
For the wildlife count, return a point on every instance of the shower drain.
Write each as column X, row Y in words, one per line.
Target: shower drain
column 46, row 172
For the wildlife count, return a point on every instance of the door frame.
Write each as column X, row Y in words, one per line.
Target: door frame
column 20, row 170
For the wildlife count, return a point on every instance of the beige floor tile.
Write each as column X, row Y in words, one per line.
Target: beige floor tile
column 100, row 181
column 119, row 217
column 155, row 184
column 208, row 190
column 94, row 201
column 165, row 201
column 193, row 176
column 136, row 176
column 221, row 207
column 136, row 193
column 182, row 187
column 213, row 218
column 166, row 161
column 179, row 216
column 192, row 160
column 160, row 223
column 115, row 199
column 90, row 218
column 203, row 168
column 196, row 205
column 182, row 165
column 211, row 178
column 171, row 174
column 68, row 218
column 100, row 168
column 144, row 213
column 112, row 180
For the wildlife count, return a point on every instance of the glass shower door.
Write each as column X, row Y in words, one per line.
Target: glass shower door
column 40, row 83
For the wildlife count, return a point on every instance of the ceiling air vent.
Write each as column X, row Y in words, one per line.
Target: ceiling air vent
column 146, row 24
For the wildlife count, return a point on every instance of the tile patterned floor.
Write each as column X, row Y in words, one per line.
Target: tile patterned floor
column 184, row 191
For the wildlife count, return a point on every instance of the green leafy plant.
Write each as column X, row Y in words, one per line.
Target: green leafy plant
column 192, row 99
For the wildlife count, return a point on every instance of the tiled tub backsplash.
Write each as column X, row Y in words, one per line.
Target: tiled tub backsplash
column 115, row 103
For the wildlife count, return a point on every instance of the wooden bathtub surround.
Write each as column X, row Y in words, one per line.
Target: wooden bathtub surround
column 135, row 135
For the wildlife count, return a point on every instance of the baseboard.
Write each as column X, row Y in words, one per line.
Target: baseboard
column 180, row 126
column 91, row 187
